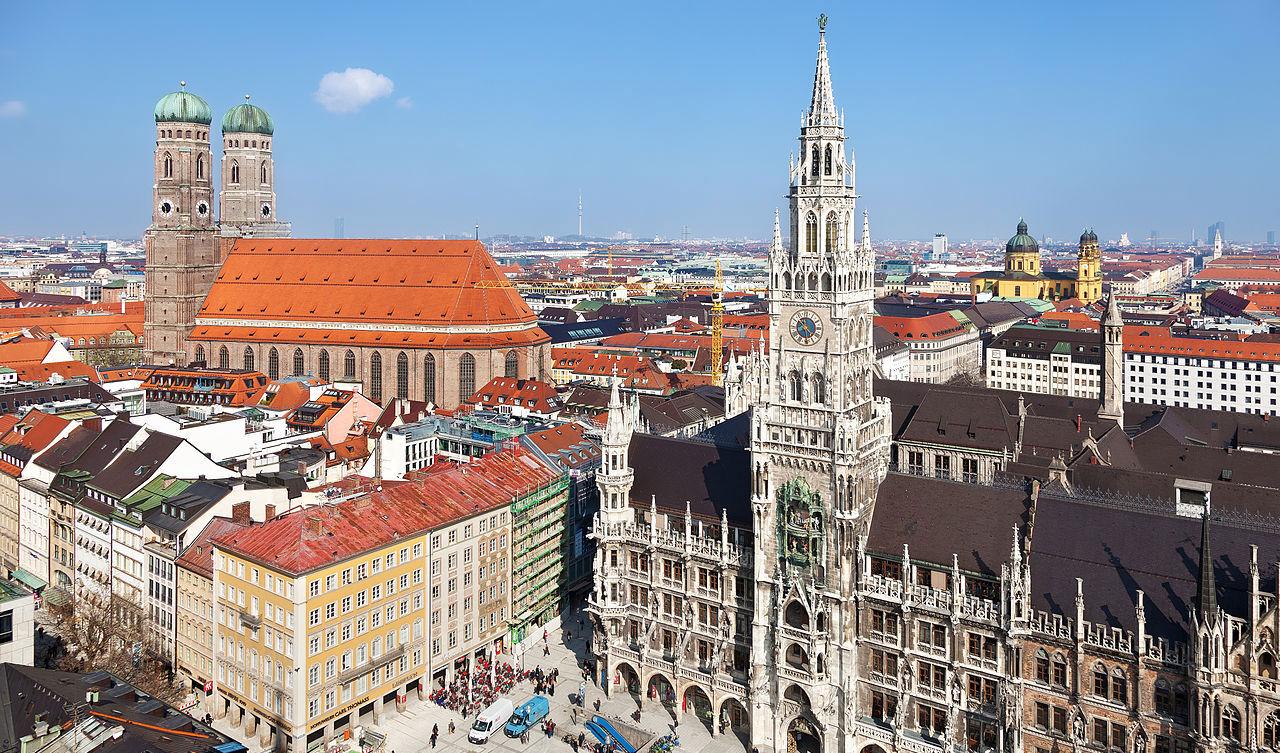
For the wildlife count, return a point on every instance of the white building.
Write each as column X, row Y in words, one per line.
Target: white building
column 1047, row 360
column 17, row 624
column 943, row 346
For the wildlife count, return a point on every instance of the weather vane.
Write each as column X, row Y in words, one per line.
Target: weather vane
column 822, row 22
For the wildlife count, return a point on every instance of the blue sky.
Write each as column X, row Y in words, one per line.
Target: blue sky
column 1128, row 116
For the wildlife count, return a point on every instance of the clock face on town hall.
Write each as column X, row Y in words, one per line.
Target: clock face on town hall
column 806, row 327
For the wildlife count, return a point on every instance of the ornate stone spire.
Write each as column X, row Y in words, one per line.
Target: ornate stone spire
column 866, row 231
column 776, row 245
column 822, row 111
column 617, row 430
column 1206, row 586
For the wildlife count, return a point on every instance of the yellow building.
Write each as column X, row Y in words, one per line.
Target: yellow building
column 1023, row 276
column 326, row 613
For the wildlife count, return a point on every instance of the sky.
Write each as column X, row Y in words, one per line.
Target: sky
column 413, row 119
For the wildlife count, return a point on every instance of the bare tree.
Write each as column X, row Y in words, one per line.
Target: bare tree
column 105, row 633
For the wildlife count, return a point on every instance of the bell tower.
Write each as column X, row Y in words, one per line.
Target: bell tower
column 247, row 204
column 819, row 446
column 1089, row 269
column 181, row 243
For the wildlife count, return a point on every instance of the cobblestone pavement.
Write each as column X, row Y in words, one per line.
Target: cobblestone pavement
column 410, row 732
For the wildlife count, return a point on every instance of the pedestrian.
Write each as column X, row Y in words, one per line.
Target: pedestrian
column 451, row 726
column 546, row 637
column 552, row 689
column 573, row 714
column 546, row 649
column 581, row 739
column 597, row 704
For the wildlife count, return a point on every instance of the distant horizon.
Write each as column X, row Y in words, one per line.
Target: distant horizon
column 1093, row 115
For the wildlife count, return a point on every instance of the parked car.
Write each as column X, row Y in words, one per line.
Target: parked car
column 490, row 720
column 527, row 714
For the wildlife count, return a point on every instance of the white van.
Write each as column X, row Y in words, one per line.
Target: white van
column 491, row 720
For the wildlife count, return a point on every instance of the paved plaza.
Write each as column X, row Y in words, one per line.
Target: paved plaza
column 410, row 731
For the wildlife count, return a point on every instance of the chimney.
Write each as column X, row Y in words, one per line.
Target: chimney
column 240, row 512
column 271, row 512
column 314, row 526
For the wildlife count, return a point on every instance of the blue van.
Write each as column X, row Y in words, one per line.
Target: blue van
column 527, row 714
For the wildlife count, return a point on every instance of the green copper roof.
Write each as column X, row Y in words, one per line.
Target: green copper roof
column 1022, row 241
column 183, row 107
column 247, row 118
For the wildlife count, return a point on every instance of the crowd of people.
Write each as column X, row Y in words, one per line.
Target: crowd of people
column 471, row 691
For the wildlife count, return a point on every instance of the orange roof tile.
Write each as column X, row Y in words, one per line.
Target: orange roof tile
column 1161, row 341
column 43, row 372
column 425, row 283
column 933, row 327
column 24, row 351
column 372, row 338
column 536, row 395
column 313, row 537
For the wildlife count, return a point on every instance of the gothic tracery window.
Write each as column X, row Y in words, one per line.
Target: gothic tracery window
column 833, row 232
column 811, row 234
column 273, row 364
column 826, row 163
column 511, row 365
column 813, row 161
column 819, row 388
column 402, row 375
column 795, row 384
column 429, row 378
column 264, row 174
column 199, row 166
column 324, row 365
column 235, row 171
column 299, row 365
column 466, row 376
column 224, row 358
column 375, row 377
column 349, row 365
column 168, row 166
column 248, row 358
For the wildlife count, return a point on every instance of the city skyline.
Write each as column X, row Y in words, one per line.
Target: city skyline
column 952, row 139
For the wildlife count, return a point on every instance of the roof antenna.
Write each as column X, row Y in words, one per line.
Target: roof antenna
column 477, row 232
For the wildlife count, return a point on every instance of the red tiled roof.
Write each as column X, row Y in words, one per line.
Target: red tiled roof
column 34, row 432
column 933, row 327
column 198, row 557
column 24, row 351
column 428, row 283
column 371, row 338
column 7, row 293
column 1161, row 341
column 568, row 443
column 43, row 372
column 1245, row 274
column 241, row 387
column 536, row 395
column 313, row 537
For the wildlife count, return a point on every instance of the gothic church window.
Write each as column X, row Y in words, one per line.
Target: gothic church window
column 1231, row 722
column 819, row 389
column 1271, row 730
column 811, row 233
column 429, row 378
column 248, row 358
column 466, row 376
column 264, row 174
column 299, row 365
column 511, row 365
column 375, row 377
column 224, row 358
column 826, row 163
column 168, row 166
column 402, row 375
column 813, row 166
column 199, row 354
column 833, row 232
column 273, row 364
column 796, row 386
column 324, row 365
column 349, row 365
column 199, row 166
column 235, row 171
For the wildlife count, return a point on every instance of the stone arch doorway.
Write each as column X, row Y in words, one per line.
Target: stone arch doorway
column 803, row 737
column 626, row 678
column 661, row 690
column 735, row 718
column 698, row 703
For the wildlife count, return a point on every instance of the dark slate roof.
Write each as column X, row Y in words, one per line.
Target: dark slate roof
column 937, row 519
column 948, row 417
column 13, row 398
column 579, row 331
column 193, row 501
column 710, row 478
column 134, row 468
column 28, row 691
column 734, row 431
column 1120, row 551
column 668, row 413
column 68, row 449
column 1083, row 346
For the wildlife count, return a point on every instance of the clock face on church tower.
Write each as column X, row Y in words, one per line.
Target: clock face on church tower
column 806, row 327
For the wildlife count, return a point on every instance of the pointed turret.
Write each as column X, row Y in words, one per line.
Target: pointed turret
column 822, row 110
column 1206, row 587
column 776, row 245
column 1112, row 362
column 618, row 429
column 866, row 231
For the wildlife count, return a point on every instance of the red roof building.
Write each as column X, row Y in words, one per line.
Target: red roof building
column 424, row 319
column 527, row 395
column 198, row 386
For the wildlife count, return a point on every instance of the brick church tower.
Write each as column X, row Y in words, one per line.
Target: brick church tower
column 182, row 241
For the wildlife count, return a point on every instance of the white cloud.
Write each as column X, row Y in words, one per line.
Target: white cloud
column 405, row 103
column 352, row 89
column 13, row 108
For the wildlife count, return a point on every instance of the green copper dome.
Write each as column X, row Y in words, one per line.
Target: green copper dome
column 183, row 107
column 1022, row 241
column 247, row 118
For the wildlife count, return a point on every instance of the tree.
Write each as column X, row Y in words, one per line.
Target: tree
column 99, row 632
